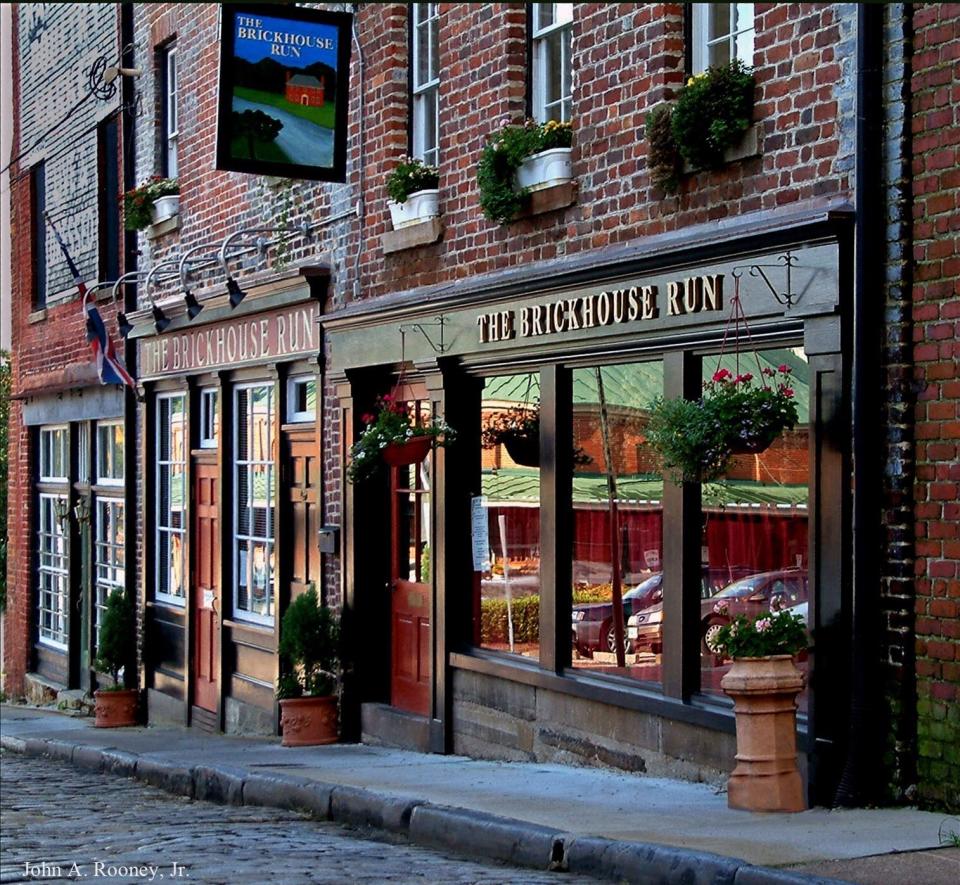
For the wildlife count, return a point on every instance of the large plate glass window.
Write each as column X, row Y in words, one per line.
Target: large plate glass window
column 109, row 562
column 617, row 522
column 53, row 570
column 755, row 544
column 54, row 454
column 255, row 504
column 552, row 79
column 721, row 32
column 506, row 610
column 171, row 509
column 302, row 398
column 110, row 453
column 426, row 82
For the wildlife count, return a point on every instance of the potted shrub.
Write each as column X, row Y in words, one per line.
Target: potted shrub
column 309, row 637
column 115, row 705
column 392, row 436
column 153, row 201
column 414, row 195
column 764, row 683
column 695, row 439
column 521, row 159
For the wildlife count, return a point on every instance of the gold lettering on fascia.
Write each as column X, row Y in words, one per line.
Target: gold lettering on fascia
column 259, row 338
column 608, row 308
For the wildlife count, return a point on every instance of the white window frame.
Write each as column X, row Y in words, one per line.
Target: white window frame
column 209, row 417
column 563, row 21
column 293, row 414
column 109, row 566
column 423, row 91
column 247, row 539
column 171, row 112
column 46, row 450
column 703, row 39
column 109, row 479
column 161, row 526
column 53, row 573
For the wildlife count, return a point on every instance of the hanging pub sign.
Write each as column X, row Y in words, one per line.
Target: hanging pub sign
column 284, row 78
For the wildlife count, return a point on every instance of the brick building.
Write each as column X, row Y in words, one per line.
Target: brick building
column 847, row 175
column 304, row 89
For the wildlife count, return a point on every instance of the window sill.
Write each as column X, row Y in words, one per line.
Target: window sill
column 748, row 146
column 37, row 316
column 549, row 199
column 168, row 225
column 423, row 233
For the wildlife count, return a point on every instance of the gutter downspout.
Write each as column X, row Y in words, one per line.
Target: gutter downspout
column 857, row 782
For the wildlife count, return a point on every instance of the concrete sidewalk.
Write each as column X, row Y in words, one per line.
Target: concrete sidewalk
column 592, row 821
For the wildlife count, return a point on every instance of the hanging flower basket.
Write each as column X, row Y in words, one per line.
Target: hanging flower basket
column 695, row 439
column 524, row 450
column 410, row 451
column 393, row 436
column 517, row 429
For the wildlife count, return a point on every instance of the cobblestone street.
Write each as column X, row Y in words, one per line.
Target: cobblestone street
column 60, row 823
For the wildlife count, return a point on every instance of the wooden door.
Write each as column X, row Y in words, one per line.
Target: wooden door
column 411, row 586
column 206, row 598
column 301, row 470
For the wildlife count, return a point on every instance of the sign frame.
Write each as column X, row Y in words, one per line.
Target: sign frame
column 342, row 22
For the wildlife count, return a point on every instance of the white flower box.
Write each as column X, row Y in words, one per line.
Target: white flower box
column 419, row 206
column 546, row 169
column 164, row 208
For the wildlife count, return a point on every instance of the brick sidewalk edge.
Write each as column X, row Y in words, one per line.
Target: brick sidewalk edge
column 458, row 830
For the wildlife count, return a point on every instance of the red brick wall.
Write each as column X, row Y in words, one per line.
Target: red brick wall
column 936, row 317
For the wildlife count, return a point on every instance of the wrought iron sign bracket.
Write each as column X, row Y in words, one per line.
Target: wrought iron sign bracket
column 440, row 322
column 788, row 261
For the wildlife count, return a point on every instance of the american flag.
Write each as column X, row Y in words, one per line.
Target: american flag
column 110, row 367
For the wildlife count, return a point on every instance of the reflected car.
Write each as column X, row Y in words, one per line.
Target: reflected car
column 645, row 627
column 593, row 622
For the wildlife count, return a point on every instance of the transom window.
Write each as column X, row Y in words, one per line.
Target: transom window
column 552, row 30
column 426, row 82
column 302, row 399
column 721, row 32
column 209, row 418
column 171, row 512
column 110, row 453
column 54, row 454
column 109, row 568
column 53, row 571
column 254, row 504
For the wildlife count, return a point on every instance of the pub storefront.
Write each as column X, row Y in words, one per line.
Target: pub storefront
column 229, row 436
column 478, row 583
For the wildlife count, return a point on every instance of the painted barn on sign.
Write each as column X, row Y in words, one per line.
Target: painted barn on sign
column 304, row 89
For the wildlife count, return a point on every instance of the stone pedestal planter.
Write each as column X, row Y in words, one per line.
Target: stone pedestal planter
column 418, row 207
column 764, row 691
column 309, row 721
column 546, row 169
column 164, row 208
column 114, row 709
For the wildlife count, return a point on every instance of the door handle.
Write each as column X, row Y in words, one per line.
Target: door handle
column 213, row 606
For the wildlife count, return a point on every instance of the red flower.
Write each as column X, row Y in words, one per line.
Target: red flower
column 784, row 368
column 745, row 378
column 787, row 391
column 368, row 418
column 721, row 374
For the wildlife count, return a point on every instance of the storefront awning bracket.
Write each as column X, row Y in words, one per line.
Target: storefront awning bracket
column 787, row 261
column 437, row 347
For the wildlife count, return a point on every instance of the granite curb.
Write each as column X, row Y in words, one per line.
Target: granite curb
column 456, row 830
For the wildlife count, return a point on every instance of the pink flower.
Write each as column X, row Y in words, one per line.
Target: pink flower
column 720, row 608
column 787, row 391
column 784, row 368
column 722, row 374
column 387, row 398
column 745, row 378
column 768, row 371
column 763, row 624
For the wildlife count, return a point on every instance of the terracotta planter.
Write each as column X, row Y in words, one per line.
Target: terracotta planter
column 309, row 721
column 764, row 691
column 413, row 451
column 115, row 709
column 524, row 450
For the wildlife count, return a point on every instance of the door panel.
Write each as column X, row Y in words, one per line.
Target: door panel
column 302, row 480
column 206, row 599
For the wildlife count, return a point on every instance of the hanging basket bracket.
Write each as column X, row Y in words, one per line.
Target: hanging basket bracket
column 786, row 261
column 438, row 347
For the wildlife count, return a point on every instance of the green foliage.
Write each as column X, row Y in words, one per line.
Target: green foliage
column 309, row 641
column 409, row 176
column 526, row 614
column 138, row 201
column 256, row 127
column 393, row 422
column 712, row 112
column 6, row 377
column 695, row 439
column 768, row 633
column 500, row 198
column 517, row 422
column 663, row 158
column 116, row 645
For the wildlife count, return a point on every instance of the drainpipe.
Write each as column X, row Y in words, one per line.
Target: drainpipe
column 859, row 773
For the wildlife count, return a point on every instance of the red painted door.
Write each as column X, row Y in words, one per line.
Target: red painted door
column 411, row 586
column 206, row 599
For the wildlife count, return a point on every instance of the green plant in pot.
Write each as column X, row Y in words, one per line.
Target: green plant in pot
column 116, row 705
column 412, row 186
column 309, row 645
column 139, row 202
